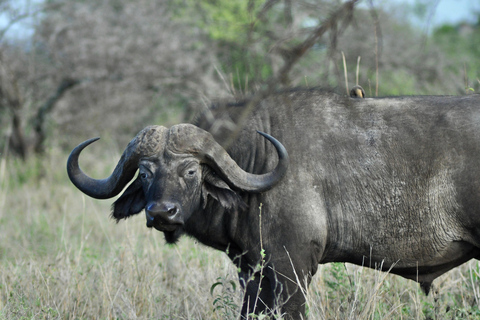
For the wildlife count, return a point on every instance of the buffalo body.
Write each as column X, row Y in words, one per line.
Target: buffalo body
column 385, row 182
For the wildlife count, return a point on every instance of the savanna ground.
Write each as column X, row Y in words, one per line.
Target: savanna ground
column 62, row 257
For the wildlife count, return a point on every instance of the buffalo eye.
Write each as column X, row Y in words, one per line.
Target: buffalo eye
column 144, row 174
column 188, row 169
column 191, row 172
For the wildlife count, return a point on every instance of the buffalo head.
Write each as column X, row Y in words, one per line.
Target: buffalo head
column 179, row 168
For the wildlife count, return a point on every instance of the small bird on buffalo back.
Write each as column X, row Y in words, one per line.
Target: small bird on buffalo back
column 357, row 92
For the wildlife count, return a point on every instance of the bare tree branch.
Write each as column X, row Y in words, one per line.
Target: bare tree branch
column 266, row 7
column 39, row 121
column 298, row 51
column 25, row 15
column 291, row 57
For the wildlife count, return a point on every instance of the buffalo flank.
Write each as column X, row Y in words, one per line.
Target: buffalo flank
column 391, row 182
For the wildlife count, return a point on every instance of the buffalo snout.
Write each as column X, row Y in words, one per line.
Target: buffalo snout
column 163, row 216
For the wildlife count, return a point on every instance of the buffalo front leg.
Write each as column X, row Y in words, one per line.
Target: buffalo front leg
column 259, row 296
column 290, row 296
column 265, row 294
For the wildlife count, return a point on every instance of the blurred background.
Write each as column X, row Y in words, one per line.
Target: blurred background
column 108, row 68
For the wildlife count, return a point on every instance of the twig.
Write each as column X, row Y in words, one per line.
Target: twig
column 266, row 7
column 345, row 72
column 262, row 261
column 358, row 70
column 223, row 79
column 465, row 77
column 24, row 16
column 377, row 36
column 376, row 62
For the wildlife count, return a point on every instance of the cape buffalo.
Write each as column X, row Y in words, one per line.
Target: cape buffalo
column 390, row 182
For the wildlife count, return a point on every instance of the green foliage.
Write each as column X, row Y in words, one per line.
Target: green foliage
column 25, row 172
column 228, row 20
column 339, row 284
column 235, row 30
column 461, row 44
column 395, row 83
column 225, row 302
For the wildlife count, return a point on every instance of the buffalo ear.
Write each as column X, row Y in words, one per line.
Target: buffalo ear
column 131, row 202
column 218, row 189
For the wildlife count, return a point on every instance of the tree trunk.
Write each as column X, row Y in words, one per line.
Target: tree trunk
column 39, row 121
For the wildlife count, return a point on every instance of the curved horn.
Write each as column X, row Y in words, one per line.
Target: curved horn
column 191, row 139
column 146, row 143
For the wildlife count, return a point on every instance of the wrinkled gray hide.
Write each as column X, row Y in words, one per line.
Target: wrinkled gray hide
column 391, row 182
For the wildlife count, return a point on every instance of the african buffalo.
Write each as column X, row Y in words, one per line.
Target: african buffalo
column 390, row 182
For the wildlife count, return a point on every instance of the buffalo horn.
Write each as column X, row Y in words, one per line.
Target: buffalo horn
column 146, row 143
column 186, row 138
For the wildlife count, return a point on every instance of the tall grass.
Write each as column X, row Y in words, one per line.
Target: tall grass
column 62, row 257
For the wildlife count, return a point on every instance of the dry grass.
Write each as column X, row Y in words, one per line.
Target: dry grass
column 62, row 257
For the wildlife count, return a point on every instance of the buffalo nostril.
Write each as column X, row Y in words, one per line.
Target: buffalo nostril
column 170, row 209
column 163, row 213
